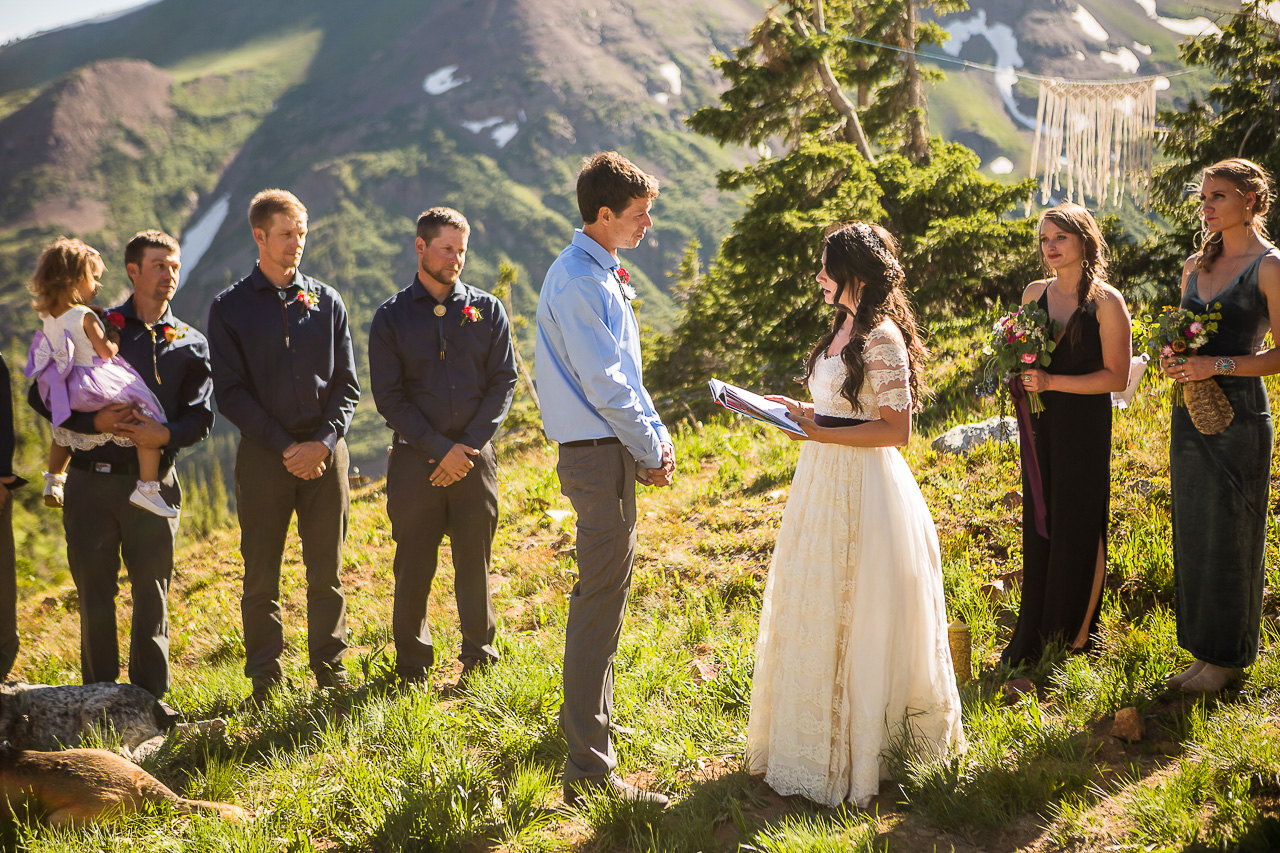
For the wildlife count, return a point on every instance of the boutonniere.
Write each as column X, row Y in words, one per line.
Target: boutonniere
column 308, row 298
column 157, row 331
column 471, row 314
column 116, row 319
column 170, row 333
column 624, row 283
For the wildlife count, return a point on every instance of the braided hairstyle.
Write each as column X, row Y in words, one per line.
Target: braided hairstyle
column 1248, row 177
column 857, row 252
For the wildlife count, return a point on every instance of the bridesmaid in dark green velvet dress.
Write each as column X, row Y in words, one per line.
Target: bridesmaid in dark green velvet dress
column 1220, row 482
column 1062, row 575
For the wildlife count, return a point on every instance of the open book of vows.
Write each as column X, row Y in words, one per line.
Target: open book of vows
column 743, row 402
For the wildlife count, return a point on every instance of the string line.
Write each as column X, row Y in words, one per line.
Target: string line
column 994, row 69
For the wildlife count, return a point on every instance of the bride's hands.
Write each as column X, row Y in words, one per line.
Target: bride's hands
column 795, row 407
column 810, row 427
column 801, row 413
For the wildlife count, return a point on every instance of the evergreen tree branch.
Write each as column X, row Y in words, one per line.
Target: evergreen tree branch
column 852, row 127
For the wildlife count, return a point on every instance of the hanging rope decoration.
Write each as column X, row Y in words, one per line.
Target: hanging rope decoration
column 1094, row 137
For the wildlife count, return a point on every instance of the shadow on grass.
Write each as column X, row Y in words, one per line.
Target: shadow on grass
column 726, row 812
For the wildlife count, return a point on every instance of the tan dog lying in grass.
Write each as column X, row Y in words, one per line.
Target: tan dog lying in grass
column 75, row 787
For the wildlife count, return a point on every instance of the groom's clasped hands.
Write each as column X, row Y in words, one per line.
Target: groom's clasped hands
column 659, row 476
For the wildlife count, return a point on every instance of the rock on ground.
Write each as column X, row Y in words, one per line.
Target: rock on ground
column 1128, row 725
column 963, row 438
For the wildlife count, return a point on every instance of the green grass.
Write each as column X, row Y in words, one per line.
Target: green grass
column 379, row 768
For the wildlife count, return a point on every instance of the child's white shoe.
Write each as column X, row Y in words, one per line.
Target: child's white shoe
column 53, row 486
column 147, row 496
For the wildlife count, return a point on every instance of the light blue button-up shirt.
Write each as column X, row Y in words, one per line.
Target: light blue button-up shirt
column 588, row 356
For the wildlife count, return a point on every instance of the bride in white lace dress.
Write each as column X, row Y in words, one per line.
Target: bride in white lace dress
column 853, row 654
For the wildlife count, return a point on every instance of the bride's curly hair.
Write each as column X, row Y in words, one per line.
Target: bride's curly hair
column 859, row 252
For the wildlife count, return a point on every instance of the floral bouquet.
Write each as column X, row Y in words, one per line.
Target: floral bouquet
column 1020, row 340
column 1178, row 332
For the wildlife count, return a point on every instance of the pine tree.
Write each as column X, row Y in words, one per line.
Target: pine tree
column 756, row 310
column 1240, row 117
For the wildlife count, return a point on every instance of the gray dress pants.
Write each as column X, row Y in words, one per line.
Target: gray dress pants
column 600, row 482
column 421, row 514
column 102, row 526
column 267, row 496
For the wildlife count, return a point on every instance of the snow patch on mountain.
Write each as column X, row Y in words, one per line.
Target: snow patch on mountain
column 1000, row 166
column 671, row 73
column 1003, row 42
column 504, row 133
column 442, row 80
column 1123, row 57
column 1181, row 26
column 482, row 126
column 1089, row 24
column 197, row 239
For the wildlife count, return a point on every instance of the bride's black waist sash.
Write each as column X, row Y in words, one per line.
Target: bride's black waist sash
column 833, row 421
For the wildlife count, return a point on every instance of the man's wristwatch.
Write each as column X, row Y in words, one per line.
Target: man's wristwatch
column 1224, row 366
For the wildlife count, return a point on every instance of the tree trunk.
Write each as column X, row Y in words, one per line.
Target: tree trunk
column 917, row 148
column 852, row 127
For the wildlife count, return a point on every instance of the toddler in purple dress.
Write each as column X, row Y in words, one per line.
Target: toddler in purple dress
column 77, row 368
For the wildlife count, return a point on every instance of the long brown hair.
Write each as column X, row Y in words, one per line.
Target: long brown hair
column 61, row 267
column 1248, row 177
column 1074, row 219
column 859, row 252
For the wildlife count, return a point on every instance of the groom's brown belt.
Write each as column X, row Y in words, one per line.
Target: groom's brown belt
column 592, row 442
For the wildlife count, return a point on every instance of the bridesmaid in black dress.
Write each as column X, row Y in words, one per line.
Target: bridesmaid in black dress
column 1220, row 482
column 1062, row 575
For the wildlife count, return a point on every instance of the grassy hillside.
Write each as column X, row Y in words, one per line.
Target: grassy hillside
column 329, row 100
column 384, row 769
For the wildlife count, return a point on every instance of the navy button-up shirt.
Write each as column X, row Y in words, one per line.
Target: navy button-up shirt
column 441, row 380
column 177, row 373
column 283, row 366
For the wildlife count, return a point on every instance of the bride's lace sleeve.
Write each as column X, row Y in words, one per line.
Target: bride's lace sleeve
column 886, row 360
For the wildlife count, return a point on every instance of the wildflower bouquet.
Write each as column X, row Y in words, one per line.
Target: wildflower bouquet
column 1178, row 332
column 1020, row 340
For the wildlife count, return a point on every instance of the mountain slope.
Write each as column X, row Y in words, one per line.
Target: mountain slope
column 369, row 113
column 1091, row 40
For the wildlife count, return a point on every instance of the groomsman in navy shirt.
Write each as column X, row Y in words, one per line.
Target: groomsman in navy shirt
column 443, row 372
column 284, row 373
column 102, row 527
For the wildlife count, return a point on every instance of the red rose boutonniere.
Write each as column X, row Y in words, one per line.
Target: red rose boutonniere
column 471, row 314
column 624, row 283
column 308, row 299
column 116, row 319
column 169, row 332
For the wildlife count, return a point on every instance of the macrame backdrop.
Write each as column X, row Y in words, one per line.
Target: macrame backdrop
column 1096, row 138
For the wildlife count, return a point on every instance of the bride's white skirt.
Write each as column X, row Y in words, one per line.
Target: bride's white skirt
column 853, row 632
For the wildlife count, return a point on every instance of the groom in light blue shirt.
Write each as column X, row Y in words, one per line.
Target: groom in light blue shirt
column 595, row 406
